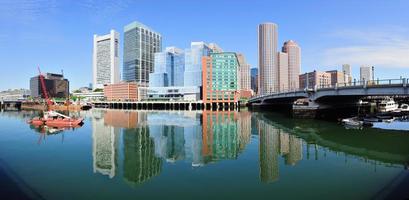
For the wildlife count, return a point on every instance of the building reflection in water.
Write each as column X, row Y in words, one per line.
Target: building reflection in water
column 225, row 134
column 140, row 161
column 151, row 138
column 273, row 143
column 104, row 145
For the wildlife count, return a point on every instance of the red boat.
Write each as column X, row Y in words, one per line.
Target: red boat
column 52, row 118
column 36, row 121
column 55, row 119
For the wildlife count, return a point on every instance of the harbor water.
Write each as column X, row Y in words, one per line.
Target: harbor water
column 120, row 154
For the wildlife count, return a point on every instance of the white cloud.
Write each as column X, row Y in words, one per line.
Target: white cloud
column 387, row 49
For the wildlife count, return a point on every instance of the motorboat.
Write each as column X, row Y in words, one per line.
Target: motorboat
column 353, row 121
column 387, row 105
column 371, row 119
column 86, row 106
column 404, row 107
column 389, row 120
column 384, row 117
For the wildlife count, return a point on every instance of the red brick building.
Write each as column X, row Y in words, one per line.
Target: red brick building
column 121, row 92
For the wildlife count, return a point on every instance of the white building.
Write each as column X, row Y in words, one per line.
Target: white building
column 267, row 58
column 294, row 63
column 346, row 68
column 105, row 63
column 174, row 93
column 245, row 78
column 283, row 71
column 365, row 73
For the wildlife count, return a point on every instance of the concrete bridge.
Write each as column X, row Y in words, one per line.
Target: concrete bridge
column 327, row 96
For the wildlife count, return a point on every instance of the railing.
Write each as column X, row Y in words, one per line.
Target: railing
column 364, row 84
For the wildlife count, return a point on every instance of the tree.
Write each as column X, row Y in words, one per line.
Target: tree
column 98, row 90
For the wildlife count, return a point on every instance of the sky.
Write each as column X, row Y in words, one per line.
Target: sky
column 58, row 35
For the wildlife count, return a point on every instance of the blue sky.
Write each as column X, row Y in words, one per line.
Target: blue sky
column 57, row 35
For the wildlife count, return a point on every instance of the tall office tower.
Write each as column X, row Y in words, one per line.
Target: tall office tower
column 294, row 63
column 267, row 58
column 169, row 68
column 220, row 83
column 365, row 73
column 346, row 69
column 254, row 79
column 215, row 48
column 245, row 78
column 140, row 45
column 193, row 63
column 105, row 61
column 283, row 71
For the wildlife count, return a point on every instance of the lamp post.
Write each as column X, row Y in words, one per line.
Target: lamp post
column 343, row 71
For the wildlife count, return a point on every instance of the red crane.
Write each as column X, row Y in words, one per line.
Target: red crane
column 43, row 88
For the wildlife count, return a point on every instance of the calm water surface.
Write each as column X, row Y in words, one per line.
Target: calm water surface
column 202, row 155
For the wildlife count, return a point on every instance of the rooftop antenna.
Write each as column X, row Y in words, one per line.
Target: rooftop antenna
column 62, row 72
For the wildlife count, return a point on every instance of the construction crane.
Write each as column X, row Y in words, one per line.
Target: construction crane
column 43, row 88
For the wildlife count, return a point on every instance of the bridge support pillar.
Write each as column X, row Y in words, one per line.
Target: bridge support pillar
column 306, row 111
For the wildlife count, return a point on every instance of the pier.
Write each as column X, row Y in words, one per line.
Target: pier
column 10, row 105
column 166, row 105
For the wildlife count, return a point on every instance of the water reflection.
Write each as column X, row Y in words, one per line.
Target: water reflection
column 273, row 143
column 151, row 139
column 104, row 145
column 140, row 161
column 225, row 135
column 137, row 146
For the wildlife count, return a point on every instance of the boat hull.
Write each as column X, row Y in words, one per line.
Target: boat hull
column 64, row 122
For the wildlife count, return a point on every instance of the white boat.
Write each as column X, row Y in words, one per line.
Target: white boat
column 352, row 122
column 371, row 119
column 404, row 107
column 389, row 120
column 387, row 105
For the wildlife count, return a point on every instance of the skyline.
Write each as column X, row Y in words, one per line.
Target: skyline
column 48, row 34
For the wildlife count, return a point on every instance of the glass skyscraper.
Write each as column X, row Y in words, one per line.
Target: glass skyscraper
column 140, row 45
column 169, row 68
column 193, row 63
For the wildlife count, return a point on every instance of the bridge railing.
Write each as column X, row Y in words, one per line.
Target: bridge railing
column 364, row 83
column 278, row 92
column 368, row 83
